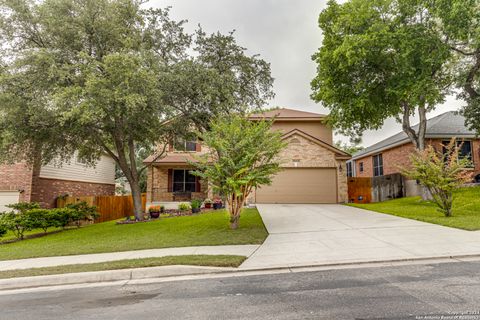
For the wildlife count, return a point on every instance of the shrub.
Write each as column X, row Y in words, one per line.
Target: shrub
column 195, row 204
column 441, row 172
column 82, row 211
column 43, row 219
column 63, row 216
column 3, row 229
column 183, row 207
column 20, row 218
column 23, row 207
column 17, row 222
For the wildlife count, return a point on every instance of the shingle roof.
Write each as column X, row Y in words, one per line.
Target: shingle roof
column 285, row 113
column 447, row 125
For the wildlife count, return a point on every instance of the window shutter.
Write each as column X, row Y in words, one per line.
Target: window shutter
column 198, row 147
column 170, row 180
column 198, row 186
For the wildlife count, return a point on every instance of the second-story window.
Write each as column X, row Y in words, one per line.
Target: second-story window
column 185, row 145
column 378, row 165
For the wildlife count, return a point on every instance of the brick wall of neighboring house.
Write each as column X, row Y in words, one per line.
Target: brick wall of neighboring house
column 399, row 157
column 47, row 190
column 367, row 167
column 17, row 176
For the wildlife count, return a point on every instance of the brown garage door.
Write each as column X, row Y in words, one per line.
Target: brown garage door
column 301, row 185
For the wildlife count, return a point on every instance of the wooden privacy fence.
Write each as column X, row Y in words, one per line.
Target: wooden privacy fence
column 375, row 189
column 109, row 207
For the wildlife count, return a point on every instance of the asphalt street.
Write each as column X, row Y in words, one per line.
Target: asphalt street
column 400, row 292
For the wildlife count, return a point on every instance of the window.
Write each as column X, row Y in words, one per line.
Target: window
column 465, row 150
column 378, row 165
column 349, row 169
column 360, row 165
column 184, row 181
column 185, row 145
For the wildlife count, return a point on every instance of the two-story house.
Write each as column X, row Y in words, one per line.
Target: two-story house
column 314, row 171
column 20, row 182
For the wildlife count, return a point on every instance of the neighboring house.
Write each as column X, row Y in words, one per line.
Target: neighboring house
column 20, row 182
column 386, row 156
column 314, row 171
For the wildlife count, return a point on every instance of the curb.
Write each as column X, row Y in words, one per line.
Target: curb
column 106, row 276
column 180, row 272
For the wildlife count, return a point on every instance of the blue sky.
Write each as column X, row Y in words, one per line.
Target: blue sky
column 285, row 33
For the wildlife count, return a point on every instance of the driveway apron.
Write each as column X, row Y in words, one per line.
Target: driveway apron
column 303, row 235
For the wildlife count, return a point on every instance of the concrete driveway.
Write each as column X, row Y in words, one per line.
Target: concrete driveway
column 302, row 235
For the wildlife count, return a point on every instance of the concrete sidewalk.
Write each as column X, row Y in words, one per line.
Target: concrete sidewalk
column 239, row 250
column 302, row 235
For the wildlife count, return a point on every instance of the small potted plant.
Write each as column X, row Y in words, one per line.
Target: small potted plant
column 183, row 207
column 217, row 204
column 208, row 203
column 154, row 212
column 195, row 205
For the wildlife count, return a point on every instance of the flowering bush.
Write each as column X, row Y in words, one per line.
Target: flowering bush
column 441, row 172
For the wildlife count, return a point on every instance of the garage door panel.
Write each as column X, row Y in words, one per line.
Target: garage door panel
column 301, row 185
column 8, row 197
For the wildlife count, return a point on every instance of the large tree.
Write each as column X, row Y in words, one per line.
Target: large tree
column 458, row 25
column 380, row 59
column 104, row 76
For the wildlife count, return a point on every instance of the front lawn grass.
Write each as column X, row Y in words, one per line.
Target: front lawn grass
column 207, row 229
column 466, row 209
column 191, row 260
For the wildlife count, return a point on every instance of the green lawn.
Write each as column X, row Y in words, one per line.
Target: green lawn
column 466, row 209
column 201, row 230
column 192, row 260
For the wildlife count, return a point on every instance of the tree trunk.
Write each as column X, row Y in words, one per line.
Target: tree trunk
column 235, row 207
column 417, row 138
column 137, row 201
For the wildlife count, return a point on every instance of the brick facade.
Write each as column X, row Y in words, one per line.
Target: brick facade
column 396, row 157
column 26, row 179
column 157, row 182
column 46, row 191
column 15, row 177
column 304, row 153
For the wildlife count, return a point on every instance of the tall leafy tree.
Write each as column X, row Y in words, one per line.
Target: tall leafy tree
column 104, row 76
column 243, row 155
column 458, row 25
column 380, row 59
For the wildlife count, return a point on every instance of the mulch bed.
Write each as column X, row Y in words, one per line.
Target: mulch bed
column 169, row 213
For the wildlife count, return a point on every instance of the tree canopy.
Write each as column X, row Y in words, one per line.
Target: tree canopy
column 243, row 155
column 103, row 76
column 380, row 59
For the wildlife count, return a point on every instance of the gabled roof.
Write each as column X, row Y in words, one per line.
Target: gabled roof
column 339, row 154
column 447, row 125
column 288, row 115
column 171, row 157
